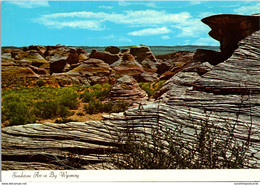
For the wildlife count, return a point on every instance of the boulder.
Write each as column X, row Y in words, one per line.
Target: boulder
column 73, row 57
column 56, row 50
column 95, row 70
column 106, row 57
column 7, row 60
column 127, row 65
column 204, row 55
column 15, row 52
column 126, row 89
column 141, row 53
column 229, row 29
column 112, row 49
column 178, row 62
column 83, row 57
column 58, row 63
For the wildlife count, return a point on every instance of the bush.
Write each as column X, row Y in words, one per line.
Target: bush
column 26, row 105
column 68, row 98
column 46, row 109
column 119, row 107
column 151, row 88
column 96, row 92
column 94, row 107
column 16, row 112
column 87, row 96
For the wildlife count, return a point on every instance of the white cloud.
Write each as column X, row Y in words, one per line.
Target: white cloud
column 95, row 21
column 248, row 10
column 150, row 31
column 57, row 21
column 105, row 7
column 191, row 28
column 206, row 42
column 165, row 37
column 30, row 3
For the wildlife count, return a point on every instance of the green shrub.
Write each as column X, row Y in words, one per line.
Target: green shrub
column 94, row 107
column 68, row 98
column 87, row 96
column 26, row 105
column 16, row 111
column 46, row 109
column 96, row 92
column 119, row 107
column 151, row 88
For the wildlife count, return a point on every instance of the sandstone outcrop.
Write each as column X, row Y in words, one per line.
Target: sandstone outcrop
column 127, row 65
column 95, row 71
column 142, row 53
column 126, row 89
column 229, row 30
column 106, row 57
column 237, row 75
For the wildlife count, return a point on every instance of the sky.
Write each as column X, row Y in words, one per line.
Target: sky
column 117, row 23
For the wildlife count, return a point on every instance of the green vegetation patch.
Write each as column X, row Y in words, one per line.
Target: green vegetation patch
column 151, row 88
column 96, row 92
column 27, row 105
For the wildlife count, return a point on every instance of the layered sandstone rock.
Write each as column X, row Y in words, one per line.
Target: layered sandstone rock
column 126, row 89
column 229, row 30
column 127, row 65
column 96, row 71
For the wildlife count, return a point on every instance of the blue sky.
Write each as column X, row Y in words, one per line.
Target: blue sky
column 119, row 23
